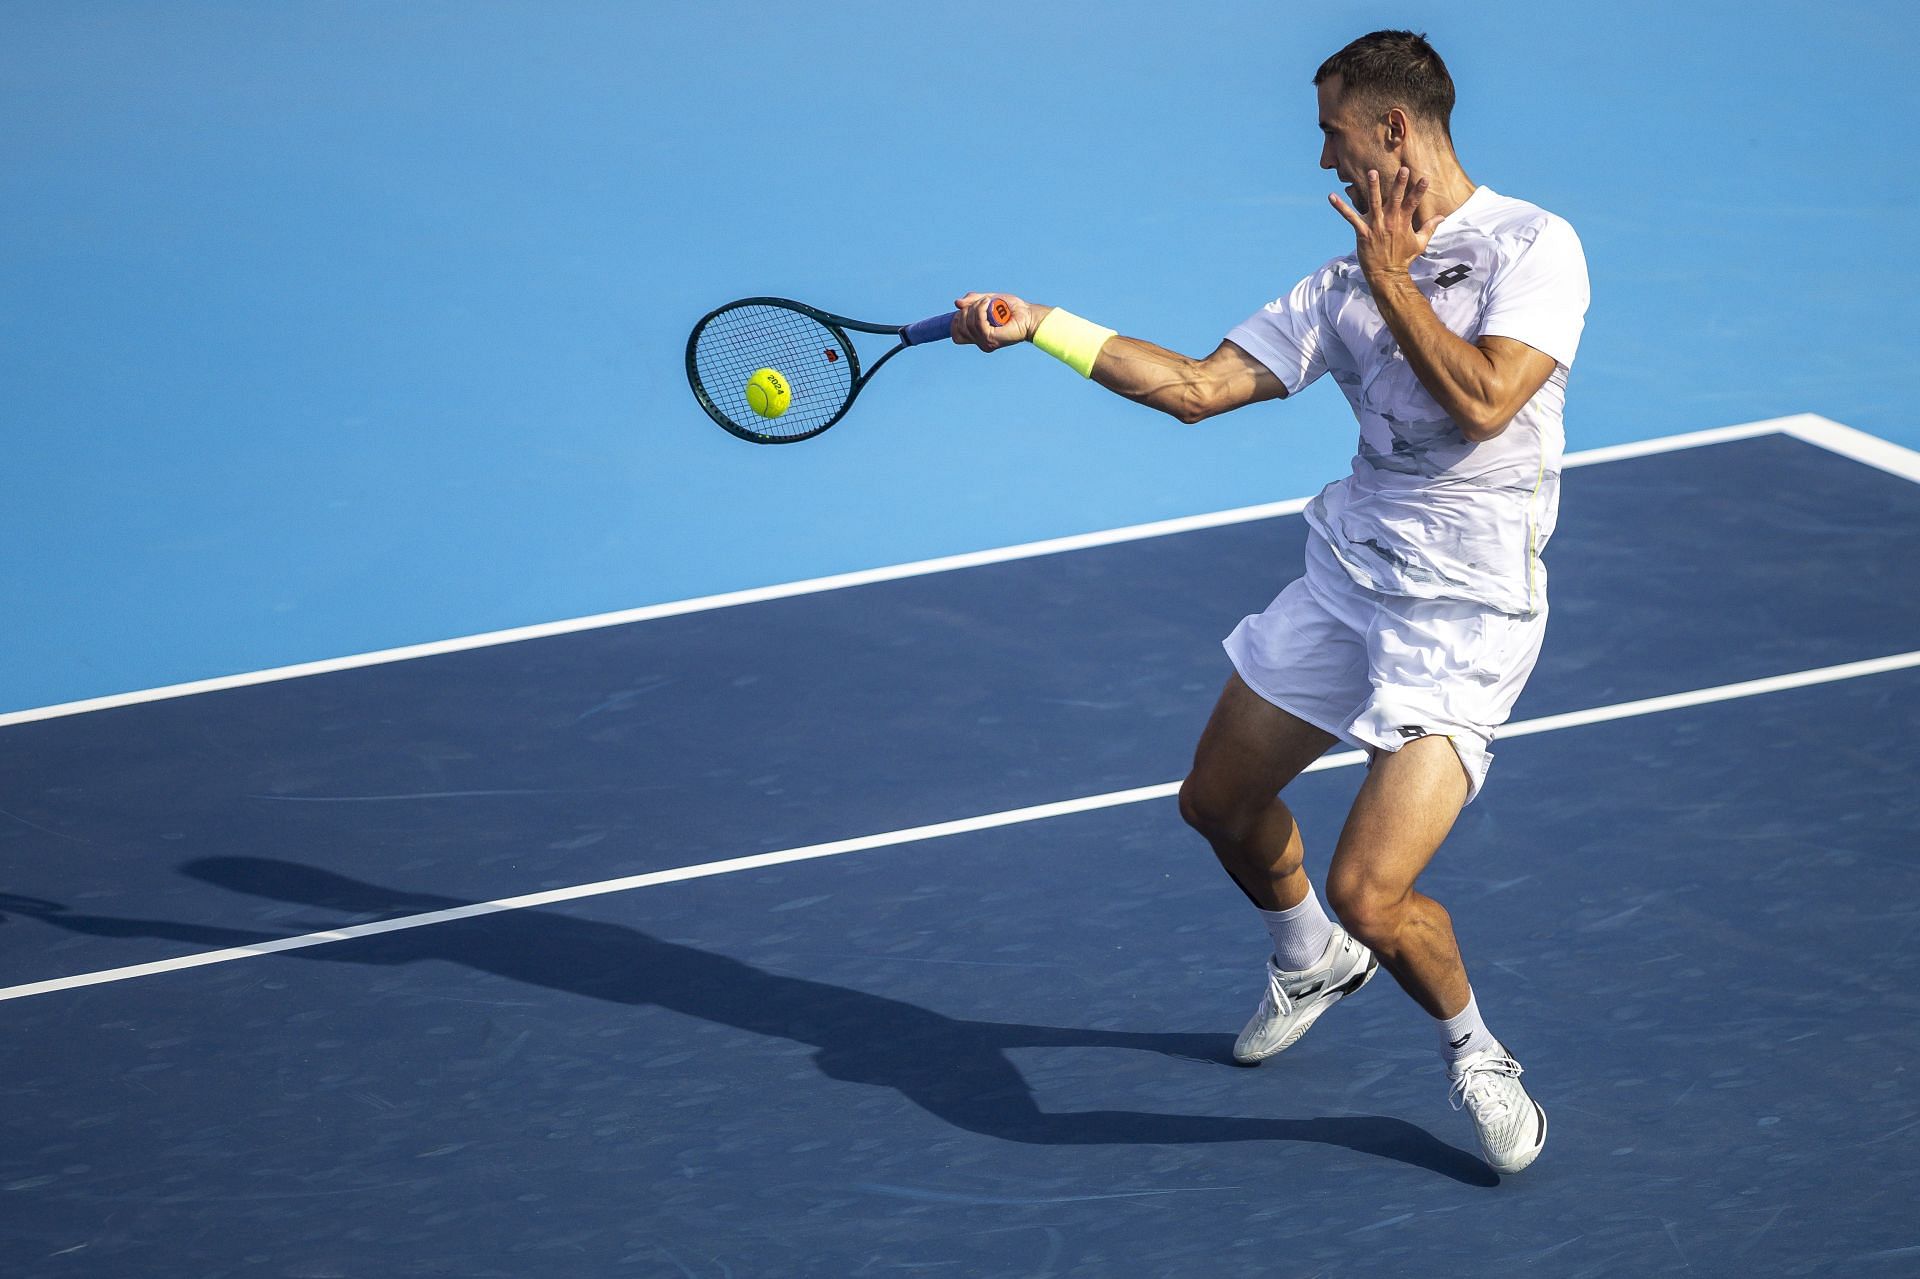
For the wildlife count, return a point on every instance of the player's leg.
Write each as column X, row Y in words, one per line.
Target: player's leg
column 1404, row 811
column 1250, row 750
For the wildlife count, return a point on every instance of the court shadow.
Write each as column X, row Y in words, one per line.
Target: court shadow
column 956, row 1069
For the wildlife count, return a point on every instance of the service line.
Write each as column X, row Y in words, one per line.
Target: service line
column 917, row 834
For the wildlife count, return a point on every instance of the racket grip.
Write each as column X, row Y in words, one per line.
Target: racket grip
column 938, row 328
column 935, row 328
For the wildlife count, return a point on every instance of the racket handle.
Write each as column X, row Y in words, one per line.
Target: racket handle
column 938, row 328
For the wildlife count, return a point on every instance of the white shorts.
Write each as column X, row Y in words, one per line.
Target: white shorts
column 1378, row 671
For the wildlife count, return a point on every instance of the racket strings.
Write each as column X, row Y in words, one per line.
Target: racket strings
column 740, row 341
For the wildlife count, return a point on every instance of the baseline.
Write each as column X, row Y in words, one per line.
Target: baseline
column 1807, row 427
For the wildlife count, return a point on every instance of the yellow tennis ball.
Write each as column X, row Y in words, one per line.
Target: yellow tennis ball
column 768, row 393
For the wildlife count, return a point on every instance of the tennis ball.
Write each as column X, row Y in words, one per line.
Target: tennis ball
column 767, row 393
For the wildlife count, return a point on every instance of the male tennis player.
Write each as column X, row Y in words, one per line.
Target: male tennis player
column 1450, row 327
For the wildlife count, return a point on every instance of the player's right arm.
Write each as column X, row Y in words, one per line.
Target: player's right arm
column 1176, row 384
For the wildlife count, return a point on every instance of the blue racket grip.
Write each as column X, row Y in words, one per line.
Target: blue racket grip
column 938, row 328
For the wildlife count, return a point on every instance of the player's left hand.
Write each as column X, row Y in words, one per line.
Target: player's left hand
column 1387, row 238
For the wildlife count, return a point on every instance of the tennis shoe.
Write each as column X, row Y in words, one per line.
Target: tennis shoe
column 1511, row 1124
column 1295, row 1000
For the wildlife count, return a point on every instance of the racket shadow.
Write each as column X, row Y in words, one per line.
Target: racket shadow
column 956, row 1069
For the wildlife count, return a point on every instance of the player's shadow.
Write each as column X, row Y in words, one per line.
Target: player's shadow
column 954, row 1068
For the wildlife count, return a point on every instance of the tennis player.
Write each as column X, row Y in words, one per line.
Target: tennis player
column 1450, row 327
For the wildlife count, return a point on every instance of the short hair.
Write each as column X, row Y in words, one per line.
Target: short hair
column 1398, row 68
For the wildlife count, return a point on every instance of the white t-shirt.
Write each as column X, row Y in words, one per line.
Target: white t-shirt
column 1425, row 512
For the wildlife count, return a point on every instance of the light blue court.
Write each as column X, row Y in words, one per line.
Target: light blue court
column 336, row 327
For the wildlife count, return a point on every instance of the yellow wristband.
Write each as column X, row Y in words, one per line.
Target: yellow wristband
column 1071, row 340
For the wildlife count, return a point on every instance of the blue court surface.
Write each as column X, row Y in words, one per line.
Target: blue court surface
column 814, row 901
column 526, row 999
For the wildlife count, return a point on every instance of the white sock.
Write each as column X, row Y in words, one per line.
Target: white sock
column 1465, row 1032
column 1300, row 933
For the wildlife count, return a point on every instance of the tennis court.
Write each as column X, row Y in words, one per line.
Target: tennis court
column 999, row 1048
column 461, row 813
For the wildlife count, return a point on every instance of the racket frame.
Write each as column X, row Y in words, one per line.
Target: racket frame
column 834, row 324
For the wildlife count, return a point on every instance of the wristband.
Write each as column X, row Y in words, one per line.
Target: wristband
column 1071, row 340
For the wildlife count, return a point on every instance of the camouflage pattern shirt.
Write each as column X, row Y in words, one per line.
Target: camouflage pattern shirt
column 1425, row 512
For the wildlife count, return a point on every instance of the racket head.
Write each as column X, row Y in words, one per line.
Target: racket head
column 804, row 345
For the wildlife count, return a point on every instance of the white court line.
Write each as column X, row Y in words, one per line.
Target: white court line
column 917, row 834
column 1808, row 427
column 1858, row 445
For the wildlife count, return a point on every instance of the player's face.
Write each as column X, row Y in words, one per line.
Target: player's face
column 1354, row 141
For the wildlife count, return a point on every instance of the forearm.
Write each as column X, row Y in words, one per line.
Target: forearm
column 1153, row 376
column 1173, row 383
column 1460, row 377
column 1148, row 374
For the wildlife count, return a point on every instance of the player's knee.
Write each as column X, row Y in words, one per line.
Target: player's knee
column 1195, row 811
column 1366, row 908
column 1212, row 814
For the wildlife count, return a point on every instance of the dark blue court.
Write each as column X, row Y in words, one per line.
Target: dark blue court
column 1000, row 1053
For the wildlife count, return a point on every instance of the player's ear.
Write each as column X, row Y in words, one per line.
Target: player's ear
column 1397, row 126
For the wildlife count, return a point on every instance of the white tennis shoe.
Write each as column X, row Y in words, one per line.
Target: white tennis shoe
column 1295, row 1000
column 1512, row 1126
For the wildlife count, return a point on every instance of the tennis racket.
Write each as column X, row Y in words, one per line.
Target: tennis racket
column 807, row 347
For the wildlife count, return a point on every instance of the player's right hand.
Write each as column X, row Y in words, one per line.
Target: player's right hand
column 972, row 328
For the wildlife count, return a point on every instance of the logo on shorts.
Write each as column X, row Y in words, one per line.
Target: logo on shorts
column 1411, row 731
column 1453, row 275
